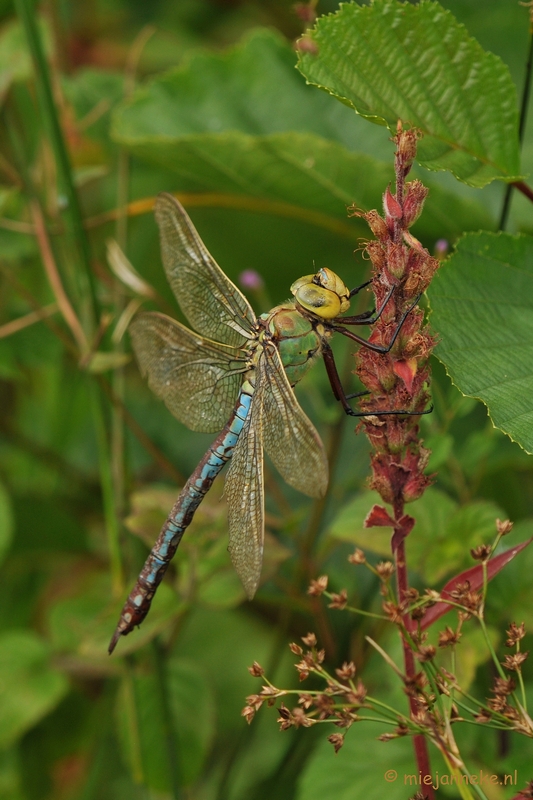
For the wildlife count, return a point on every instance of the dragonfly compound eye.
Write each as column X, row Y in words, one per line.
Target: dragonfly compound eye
column 324, row 294
column 319, row 301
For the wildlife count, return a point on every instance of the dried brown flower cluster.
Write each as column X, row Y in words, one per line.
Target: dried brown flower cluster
column 338, row 703
column 398, row 380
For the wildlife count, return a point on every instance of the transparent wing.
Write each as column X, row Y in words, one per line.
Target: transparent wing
column 199, row 380
column 245, row 496
column 289, row 437
column 212, row 304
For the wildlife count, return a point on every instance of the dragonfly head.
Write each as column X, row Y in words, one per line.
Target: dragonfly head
column 323, row 294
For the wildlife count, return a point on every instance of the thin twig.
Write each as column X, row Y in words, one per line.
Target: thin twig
column 239, row 203
column 521, row 130
column 54, row 279
column 28, row 319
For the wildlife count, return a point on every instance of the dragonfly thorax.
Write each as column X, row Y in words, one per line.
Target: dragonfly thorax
column 323, row 294
column 296, row 338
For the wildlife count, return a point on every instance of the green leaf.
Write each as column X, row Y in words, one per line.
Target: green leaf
column 317, row 179
column 441, row 539
column 15, row 60
column 364, row 769
column 416, row 63
column 252, row 88
column 143, row 724
column 29, row 686
column 193, row 709
column 82, row 620
column 10, row 776
column 482, row 310
column 446, row 550
column 511, row 592
column 219, row 125
column 348, row 525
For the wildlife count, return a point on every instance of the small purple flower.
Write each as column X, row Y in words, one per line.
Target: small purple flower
column 441, row 248
column 250, row 279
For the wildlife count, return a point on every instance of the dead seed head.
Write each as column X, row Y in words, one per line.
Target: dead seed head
column 386, row 737
column 482, row 552
column 385, row 570
column 295, row 718
column 256, row 670
column 415, row 684
column 426, row 653
column 316, row 588
column 347, row 671
column 515, row 634
column 306, row 700
column 503, row 686
column 357, row 557
column 309, row 640
column 303, row 670
column 498, row 703
column 515, row 661
column 337, row 740
column 248, row 713
column 324, row 704
column 339, row 600
column 460, row 590
column 255, row 701
column 299, row 718
column 449, row 637
column 358, row 697
column 504, row 527
column 392, row 611
column 345, row 718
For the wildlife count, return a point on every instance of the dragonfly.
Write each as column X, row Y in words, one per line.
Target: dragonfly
column 234, row 373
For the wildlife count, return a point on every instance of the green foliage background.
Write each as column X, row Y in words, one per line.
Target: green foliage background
column 214, row 108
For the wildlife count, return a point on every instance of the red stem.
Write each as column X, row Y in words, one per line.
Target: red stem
column 524, row 188
column 402, row 584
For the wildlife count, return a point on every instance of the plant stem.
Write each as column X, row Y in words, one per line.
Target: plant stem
column 171, row 739
column 521, row 129
column 86, row 286
column 106, row 481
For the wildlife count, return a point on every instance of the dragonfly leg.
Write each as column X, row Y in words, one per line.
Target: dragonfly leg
column 377, row 348
column 358, row 288
column 372, row 316
column 344, row 399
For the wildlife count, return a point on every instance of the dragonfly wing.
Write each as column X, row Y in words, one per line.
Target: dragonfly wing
column 211, row 302
column 245, row 494
column 290, row 438
column 199, row 380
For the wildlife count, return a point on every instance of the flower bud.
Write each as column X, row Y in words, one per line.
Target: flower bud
column 391, row 206
column 414, row 202
column 377, row 225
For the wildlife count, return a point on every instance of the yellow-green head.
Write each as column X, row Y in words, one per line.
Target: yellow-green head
column 323, row 294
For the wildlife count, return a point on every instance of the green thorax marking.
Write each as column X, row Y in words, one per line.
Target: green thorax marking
column 296, row 337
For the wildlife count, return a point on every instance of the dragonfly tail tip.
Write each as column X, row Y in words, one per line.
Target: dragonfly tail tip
column 113, row 642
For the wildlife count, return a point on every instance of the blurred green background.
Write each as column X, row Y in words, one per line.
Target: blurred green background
column 161, row 718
